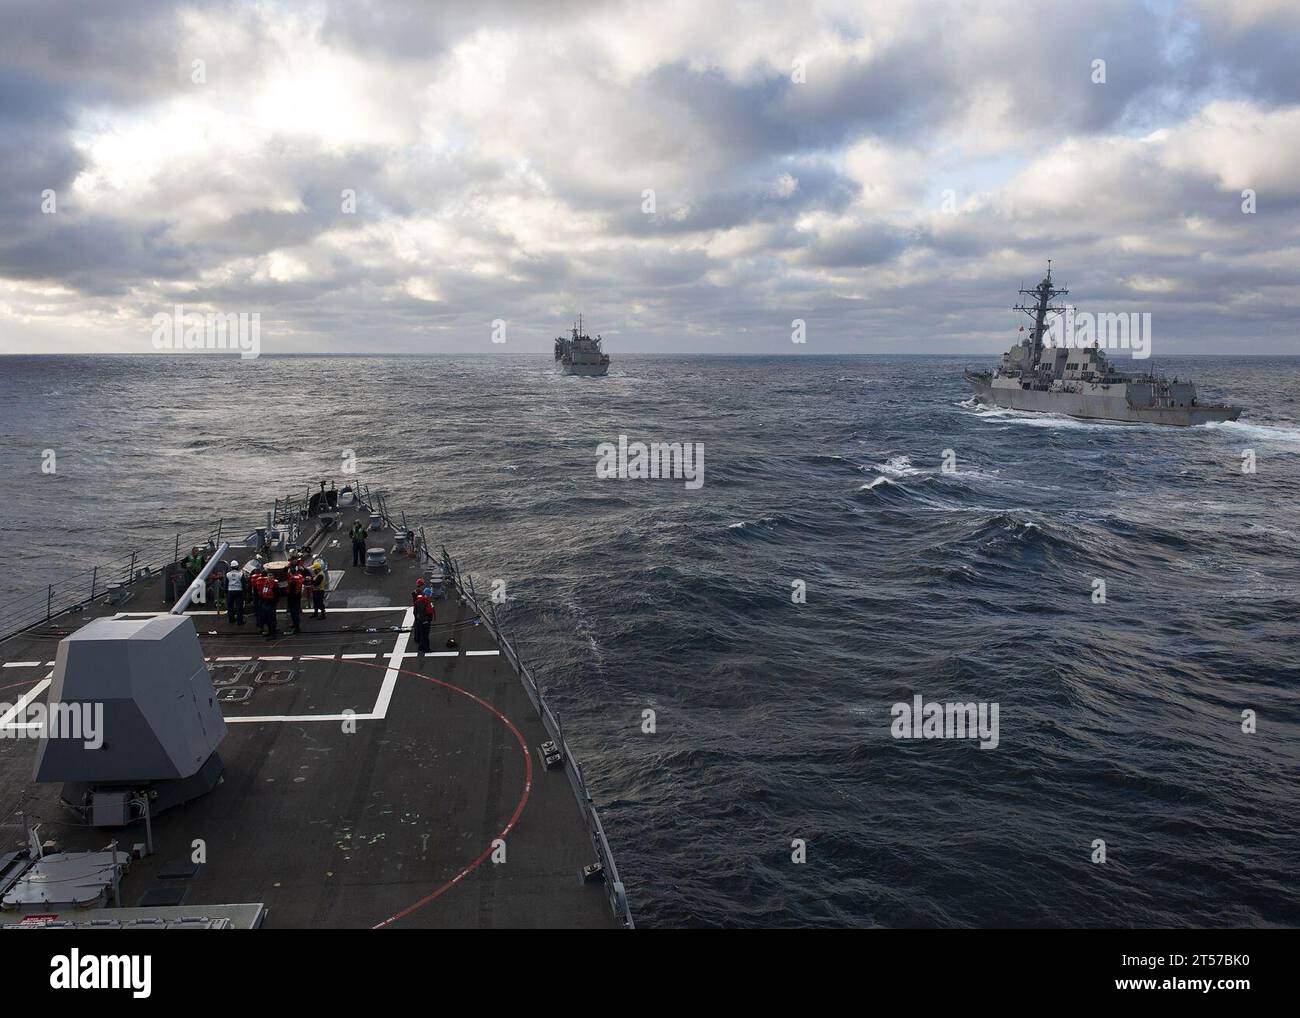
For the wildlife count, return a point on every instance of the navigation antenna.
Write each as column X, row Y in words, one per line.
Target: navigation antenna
column 1044, row 293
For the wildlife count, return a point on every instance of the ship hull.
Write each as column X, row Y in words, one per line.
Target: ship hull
column 1096, row 408
column 585, row 370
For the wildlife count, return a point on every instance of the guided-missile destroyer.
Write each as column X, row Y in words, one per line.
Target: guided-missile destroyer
column 1081, row 382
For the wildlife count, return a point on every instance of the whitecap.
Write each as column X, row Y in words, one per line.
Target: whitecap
column 1262, row 432
column 899, row 466
column 1039, row 419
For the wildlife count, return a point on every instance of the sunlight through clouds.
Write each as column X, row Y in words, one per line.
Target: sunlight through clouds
column 706, row 162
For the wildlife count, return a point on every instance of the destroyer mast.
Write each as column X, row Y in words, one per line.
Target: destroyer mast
column 1044, row 293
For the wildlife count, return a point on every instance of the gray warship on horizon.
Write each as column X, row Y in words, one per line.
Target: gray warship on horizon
column 579, row 354
column 1081, row 382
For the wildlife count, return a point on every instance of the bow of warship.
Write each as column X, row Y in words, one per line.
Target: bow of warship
column 358, row 783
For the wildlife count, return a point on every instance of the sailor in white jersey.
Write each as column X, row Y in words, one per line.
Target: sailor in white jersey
column 235, row 594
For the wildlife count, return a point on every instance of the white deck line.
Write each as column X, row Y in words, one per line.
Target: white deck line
column 352, row 657
column 379, row 711
column 21, row 706
column 21, row 664
column 305, row 717
column 282, row 611
column 394, row 659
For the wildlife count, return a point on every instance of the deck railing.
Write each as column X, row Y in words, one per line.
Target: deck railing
column 486, row 611
column 40, row 606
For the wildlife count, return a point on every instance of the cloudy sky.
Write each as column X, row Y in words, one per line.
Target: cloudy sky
column 889, row 171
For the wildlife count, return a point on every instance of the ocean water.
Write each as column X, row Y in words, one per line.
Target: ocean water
column 1119, row 721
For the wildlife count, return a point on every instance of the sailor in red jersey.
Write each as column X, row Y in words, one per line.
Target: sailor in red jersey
column 255, row 592
column 293, row 588
column 267, row 595
column 424, row 616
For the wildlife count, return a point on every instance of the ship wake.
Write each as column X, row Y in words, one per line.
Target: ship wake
column 1285, row 434
column 1042, row 419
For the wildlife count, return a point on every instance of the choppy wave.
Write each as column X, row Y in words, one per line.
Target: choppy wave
column 762, row 521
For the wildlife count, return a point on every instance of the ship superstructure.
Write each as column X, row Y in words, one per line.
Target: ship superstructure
column 1080, row 381
column 580, row 354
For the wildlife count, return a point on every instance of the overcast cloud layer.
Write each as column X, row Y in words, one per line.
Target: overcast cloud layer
column 932, row 158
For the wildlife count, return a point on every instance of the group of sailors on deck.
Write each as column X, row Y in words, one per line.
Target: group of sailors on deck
column 265, row 586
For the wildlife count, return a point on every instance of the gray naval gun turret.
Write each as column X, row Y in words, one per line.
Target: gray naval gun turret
column 159, row 724
column 1081, row 382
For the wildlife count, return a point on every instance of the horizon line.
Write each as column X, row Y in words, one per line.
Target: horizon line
column 234, row 355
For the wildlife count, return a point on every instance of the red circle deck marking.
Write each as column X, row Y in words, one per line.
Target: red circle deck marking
column 514, row 817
